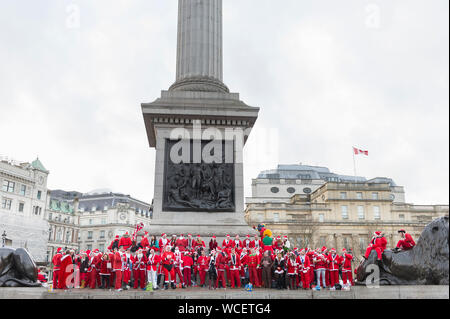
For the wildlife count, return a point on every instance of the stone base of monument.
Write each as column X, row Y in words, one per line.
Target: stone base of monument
column 204, row 224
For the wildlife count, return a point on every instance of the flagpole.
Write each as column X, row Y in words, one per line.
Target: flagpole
column 354, row 162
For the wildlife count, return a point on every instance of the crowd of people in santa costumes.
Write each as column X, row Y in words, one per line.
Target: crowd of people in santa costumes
column 184, row 262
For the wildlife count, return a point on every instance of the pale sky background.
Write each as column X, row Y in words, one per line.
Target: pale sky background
column 326, row 74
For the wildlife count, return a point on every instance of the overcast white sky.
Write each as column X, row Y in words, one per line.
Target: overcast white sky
column 326, row 74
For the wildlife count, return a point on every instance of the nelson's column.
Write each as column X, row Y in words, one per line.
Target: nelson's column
column 199, row 130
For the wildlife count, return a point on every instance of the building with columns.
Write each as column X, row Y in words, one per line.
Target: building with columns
column 23, row 196
column 340, row 213
column 63, row 220
column 103, row 215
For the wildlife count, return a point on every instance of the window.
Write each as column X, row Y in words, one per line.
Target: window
column 375, row 196
column 291, row 190
column 68, row 236
column 101, row 247
column 361, row 214
column 321, row 217
column 362, row 244
column 37, row 210
column 376, row 212
column 103, row 221
column 343, row 195
column 307, row 190
column 90, row 234
column 401, row 217
column 102, row 234
column 39, row 194
column 359, row 195
column 6, row 203
column 344, row 210
column 21, row 207
column 8, row 186
column 23, row 190
column 274, row 190
column 276, row 217
column 346, row 242
column 91, row 221
column 93, row 209
column 105, row 208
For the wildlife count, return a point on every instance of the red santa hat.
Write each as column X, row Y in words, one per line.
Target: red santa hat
column 333, row 250
column 198, row 236
column 58, row 250
column 302, row 251
column 278, row 237
column 126, row 233
column 214, row 237
column 163, row 235
column 190, row 235
column 343, row 249
column 228, row 235
column 146, row 233
column 181, row 235
column 248, row 236
column 285, row 237
column 324, row 249
column 377, row 233
column 117, row 236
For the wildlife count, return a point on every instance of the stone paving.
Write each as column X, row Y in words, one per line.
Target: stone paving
column 360, row 292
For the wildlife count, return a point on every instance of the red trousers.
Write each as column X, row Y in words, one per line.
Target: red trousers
column 179, row 274
column 139, row 275
column 93, row 279
column 202, row 273
column 126, row 276
column 327, row 277
column 369, row 250
column 187, row 276
column 55, row 278
column 118, row 275
column 221, row 277
column 305, row 279
column 166, row 274
column 334, row 277
column 253, row 272
column 347, row 277
column 235, row 278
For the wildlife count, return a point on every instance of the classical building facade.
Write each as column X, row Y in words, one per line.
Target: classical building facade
column 342, row 214
column 103, row 215
column 23, row 196
column 63, row 220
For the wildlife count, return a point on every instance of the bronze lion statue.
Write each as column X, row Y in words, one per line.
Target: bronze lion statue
column 17, row 268
column 426, row 264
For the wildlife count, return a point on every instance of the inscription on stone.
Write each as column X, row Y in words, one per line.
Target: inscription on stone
column 199, row 183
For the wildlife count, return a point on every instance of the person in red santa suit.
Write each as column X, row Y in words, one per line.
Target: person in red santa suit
column 256, row 243
column 188, row 263
column 140, row 268
column 246, row 242
column 243, row 258
column 227, row 242
column 144, row 241
column 125, row 241
column 406, row 242
column 334, row 262
column 178, row 264
column 94, row 267
column 277, row 244
column 377, row 243
column 105, row 271
column 320, row 266
column 347, row 277
column 163, row 242
column 153, row 261
column 213, row 244
column 253, row 265
column 238, row 245
column 127, row 268
column 65, row 280
column 221, row 262
column 56, row 261
column 310, row 254
column 234, row 263
column 114, row 243
column 203, row 266
column 199, row 243
column 327, row 266
column 118, row 260
column 304, row 269
column 292, row 270
column 168, row 260
column 181, row 243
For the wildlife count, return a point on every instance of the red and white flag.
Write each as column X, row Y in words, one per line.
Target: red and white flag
column 358, row 151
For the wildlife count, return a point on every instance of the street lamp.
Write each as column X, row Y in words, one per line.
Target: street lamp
column 4, row 238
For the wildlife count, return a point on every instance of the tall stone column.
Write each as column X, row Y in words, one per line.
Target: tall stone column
column 199, row 48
